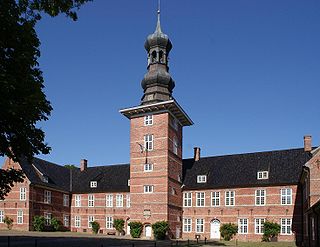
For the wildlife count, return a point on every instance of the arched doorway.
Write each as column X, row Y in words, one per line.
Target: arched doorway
column 215, row 229
column 148, row 231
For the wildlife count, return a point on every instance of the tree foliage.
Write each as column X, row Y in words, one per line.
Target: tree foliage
column 160, row 229
column 8, row 221
column 70, row 166
column 7, row 180
column 118, row 225
column 56, row 224
column 228, row 231
column 95, row 227
column 135, row 229
column 271, row 230
column 38, row 223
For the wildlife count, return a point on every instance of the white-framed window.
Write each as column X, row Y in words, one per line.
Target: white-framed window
column 90, row 200
column 200, row 198
column 78, row 200
column 187, row 225
column 23, row 193
column 148, row 142
column 258, row 226
column 66, row 220
column 47, row 218
column 148, row 167
column 262, row 175
column 65, row 200
column 215, row 199
column 90, row 220
column 47, row 196
column 128, row 201
column 77, row 221
column 187, row 199
column 260, row 197
column 109, row 201
column 93, row 184
column 242, row 226
column 286, row 225
column 19, row 217
column 148, row 120
column 45, row 179
column 109, row 222
column 129, row 182
column 1, row 216
column 230, row 198
column 148, row 188
column 175, row 145
column 201, row 179
column 286, row 196
column 199, row 225
column 119, row 200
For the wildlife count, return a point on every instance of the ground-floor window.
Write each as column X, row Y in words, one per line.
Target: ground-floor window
column 258, row 226
column 20, row 217
column 90, row 220
column 47, row 218
column 243, row 226
column 77, row 221
column 286, row 226
column 109, row 222
column 1, row 216
column 66, row 220
column 199, row 225
column 187, row 225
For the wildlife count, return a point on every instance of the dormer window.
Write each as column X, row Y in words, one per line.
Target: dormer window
column 201, row 179
column 45, row 179
column 148, row 120
column 128, row 182
column 262, row 175
column 93, row 184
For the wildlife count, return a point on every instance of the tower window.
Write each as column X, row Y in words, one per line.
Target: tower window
column 148, row 167
column 154, row 56
column 148, row 120
column 148, row 142
column 161, row 60
column 148, row 189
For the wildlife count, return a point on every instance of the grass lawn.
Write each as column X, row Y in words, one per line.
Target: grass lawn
column 240, row 244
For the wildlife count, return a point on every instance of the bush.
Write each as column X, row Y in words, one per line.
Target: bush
column 118, row 225
column 8, row 221
column 271, row 230
column 95, row 227
column 160, row 229
column 56, row 224
column 228, row 231
column 38, row 223
column 135, row 229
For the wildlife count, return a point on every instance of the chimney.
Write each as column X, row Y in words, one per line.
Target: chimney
column 307, row 143
column 83, row 165
column 196, row 153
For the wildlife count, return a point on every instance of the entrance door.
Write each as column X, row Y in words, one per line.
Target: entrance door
column 148, row 231
column 215, row 229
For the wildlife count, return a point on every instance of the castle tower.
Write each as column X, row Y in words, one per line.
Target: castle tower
column 156, row 143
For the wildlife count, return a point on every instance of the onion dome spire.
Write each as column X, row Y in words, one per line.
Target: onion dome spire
column 157, row 83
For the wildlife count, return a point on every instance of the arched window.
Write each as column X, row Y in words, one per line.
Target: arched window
column 154, row 56
column 161, row 57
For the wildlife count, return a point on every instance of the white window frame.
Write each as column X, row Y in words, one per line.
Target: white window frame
column 47, row 196
column 243, row 226
column 187, row 199
column 200, row 199
column 260, row 197
column 148, row 167
column 286, row 226
column 230, row 198
column 66, row 220
column 215, row 199
column 19, row 217
column 187, row 225
column 128, row 200
column 199, row 225
column 286, row 196
column 201, row 179
column 1, row 216
column 93, row 184
column 119, row 200
column 66, row 200
column 148, row 120
column 47, row 217
column 90, row 220
column 148, row 142
column 77, row 201
column 175, row 145
column 258, row 225
column 77, row 221
column 91, row 200
column 109, row 222
column 148, row 189
column 23, row 193
column 109, row 201
column 262, row 175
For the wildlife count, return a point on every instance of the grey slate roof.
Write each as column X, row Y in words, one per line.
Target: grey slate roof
column 228, row 171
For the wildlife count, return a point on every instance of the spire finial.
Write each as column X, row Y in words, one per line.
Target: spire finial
column 158, row 28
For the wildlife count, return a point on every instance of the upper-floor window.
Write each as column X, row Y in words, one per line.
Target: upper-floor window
column 148, row 167
column 148, row 120
column 215, row 199
column 109, row 201
column 260, row 197
column 258, row 226
column 23, row 193
column 93, row 184
column 243, row 226
column 263, row 175
column 90, row 200
column 65, row 200
column 77, row 221
column 175, row 145
column 187, row 225
column 148, row 142
column 109, row 222
column 20, row 217
column 147, row 188
column 128, row 201
column 47, row 196
column 200, row 199
column 286, row 226
column 187, row 199
column 286, row 196
column 1, row 216
column 230, row 198
column 119, row 201
column 201, row 178
column 78, row 201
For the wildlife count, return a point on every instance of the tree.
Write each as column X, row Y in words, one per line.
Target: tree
column 160, row 229
column 271, row 231
column 8, row 221
column 135, row 229
column 95, row 227
column 7, row 180
column 38, row 223
column 23, row 103
column 118, row 225
column 70, row 167
column 228, row 230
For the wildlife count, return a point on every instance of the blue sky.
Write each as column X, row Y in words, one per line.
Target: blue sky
column 247, row 73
